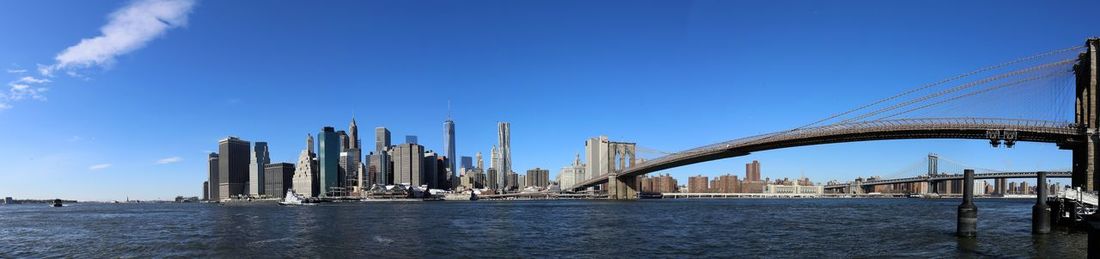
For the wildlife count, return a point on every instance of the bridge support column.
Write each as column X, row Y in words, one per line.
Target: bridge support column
column 622, row 188
column 1040, row 213
column 1086, row 152
column 968, row 213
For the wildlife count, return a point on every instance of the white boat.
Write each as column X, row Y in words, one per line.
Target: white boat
column 294, row 199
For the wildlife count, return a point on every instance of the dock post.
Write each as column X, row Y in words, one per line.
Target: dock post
column 1040, row 213
column 968, row 213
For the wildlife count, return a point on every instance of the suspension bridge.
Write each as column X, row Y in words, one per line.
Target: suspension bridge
column 941, row 176
column 1061, row 108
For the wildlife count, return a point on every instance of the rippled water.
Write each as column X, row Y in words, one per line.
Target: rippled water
column 648, row 228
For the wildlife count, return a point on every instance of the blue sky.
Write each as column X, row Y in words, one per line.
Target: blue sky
column 134, row 114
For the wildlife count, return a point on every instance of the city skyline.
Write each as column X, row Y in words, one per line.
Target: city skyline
column 177, row 90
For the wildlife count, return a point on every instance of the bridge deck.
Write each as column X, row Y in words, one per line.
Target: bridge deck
column 942, row 128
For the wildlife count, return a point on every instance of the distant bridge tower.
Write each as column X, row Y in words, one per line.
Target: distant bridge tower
column 933, row 164
column 1086, row 150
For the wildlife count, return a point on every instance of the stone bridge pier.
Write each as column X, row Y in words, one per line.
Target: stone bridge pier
column 1086, row 150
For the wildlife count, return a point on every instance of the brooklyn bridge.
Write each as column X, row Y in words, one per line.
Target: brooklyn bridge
column 1060, row 88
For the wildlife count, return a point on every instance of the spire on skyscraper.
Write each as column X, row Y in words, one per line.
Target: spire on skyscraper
column 309, row 143
column 353, row 130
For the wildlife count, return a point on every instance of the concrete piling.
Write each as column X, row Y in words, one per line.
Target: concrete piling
column 968, row 213
column 1040, row 213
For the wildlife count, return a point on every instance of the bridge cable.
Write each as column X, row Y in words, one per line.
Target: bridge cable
column 982, row 91
column 944, row 81
column 961, row 87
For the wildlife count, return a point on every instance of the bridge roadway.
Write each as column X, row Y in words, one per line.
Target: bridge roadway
column 945, row 177
column 1061, row 133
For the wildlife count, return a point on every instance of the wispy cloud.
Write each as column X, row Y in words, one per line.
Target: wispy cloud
column 99, row 167
column 169, row 160
column 74, row 139
column 129, row 28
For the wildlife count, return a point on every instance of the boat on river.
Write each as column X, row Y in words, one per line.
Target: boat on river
column 293, row 198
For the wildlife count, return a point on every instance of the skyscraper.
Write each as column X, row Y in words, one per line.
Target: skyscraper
column 596, row 151
column 495, row 165
column 467, row 163
column 504, row 142
column 381, row 139
column 378, row 166
column 345, row 141
column 215, row 178
column 354, row 131
column 752, row 171
column 449, row 146
column 259, row 159
column 408, row 164
column 305, row 180
column 232, row 167
column 538, row 177
column 278, row 178
column 350, row 160
column 206, row 190
column 430, row 175
column 329, row 156
column 480, row 163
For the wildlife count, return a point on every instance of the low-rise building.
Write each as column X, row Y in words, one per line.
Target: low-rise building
column 793, row 189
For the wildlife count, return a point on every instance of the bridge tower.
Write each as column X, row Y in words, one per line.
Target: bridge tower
column 1086, row 152
column 933, row 170
column 620, row 157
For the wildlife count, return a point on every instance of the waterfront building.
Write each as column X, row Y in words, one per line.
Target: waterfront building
column 328, row 153
column 430, row 175
column 381, row 139
column 727, row 184
column 793, row 189
column 698, row 184
column 1024, row 189
column 215, row 178
column 306, row 173
column 233, row 162
column 752, row 171
column 408, row 164
column 1012, row 188
column 449, row 147
column 492, row 180
column 278, row 178
column 596, row 151
column 410, row 139
column 205, row 190
column 538, row 177
column 666, row 184
column 8, row 200
column 520, row 181
column 259, row 159
column 380, row 169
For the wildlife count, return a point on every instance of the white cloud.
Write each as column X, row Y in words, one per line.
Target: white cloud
column 22, row 91
column 128, row 29
column 32, row 80
column 99, row 167
column 169, row 160
column 74, row 139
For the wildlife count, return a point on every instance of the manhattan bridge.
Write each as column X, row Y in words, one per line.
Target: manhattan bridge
column 1048, row 97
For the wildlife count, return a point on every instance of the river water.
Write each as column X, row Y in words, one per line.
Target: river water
column 800, row 228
